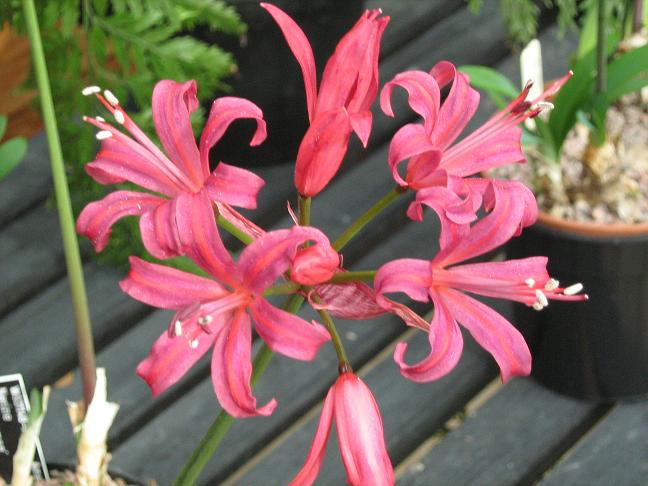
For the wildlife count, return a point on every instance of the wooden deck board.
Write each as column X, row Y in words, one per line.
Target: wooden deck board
column 31, row 256
column 509, row 439
column 505, row 441
column 614, row 452
column 28, row 184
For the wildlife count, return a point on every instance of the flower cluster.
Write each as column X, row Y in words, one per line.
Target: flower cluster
column 183, row 197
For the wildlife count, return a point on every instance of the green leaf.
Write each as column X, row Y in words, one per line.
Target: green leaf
column 3, row 125
column 98, row 45
column 11, row 153
column 69, row 16
column 625, row 71
column 490, row 80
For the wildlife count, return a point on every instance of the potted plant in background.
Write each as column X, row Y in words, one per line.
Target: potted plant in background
column 589, row 169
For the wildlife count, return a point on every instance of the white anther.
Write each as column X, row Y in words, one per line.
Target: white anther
column 110, row 97
column 538, row 306
column 119, row 116
column 90, row 90
column 552, row 284
column 530, row 282
column 177, row 328
column 542, row 298
column 193, row 344
column 544, row 106
column 573, row 289
column 103, row 135
column 204, row 320
column 100, row 118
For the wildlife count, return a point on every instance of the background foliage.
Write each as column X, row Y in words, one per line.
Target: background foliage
column 125, row 46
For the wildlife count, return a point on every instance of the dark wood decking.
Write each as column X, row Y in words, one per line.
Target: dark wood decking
column 463, row 429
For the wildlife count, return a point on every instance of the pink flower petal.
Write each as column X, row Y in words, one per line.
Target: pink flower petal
column 287, row 333
column 302, row 51
column 409, row 141
column 408, row 316
column 170, row 358
column 494, row 333
column 200, row 238
column 470, row 157
column 159, row 231
column 456, row 111
column 408, row 275
column 97, row 218
column 173, row 103
column 321, row 151
column 223, row 112
column 507, row 273
column 446, row 345
column 308, row 473
column 491, row 231
column 361, row 125
column 353, row 300
column 233, row 185
column 120, row 161
column 166, row 287
column 423, row 96
column 240, row 221
column 231, row 369
column 350, row 78
column 265, row 259
column 360, row 433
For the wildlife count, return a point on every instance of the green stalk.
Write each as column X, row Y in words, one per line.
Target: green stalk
column 370, row 214
column 304, row 210
column 212, row 439
column 637, row 19
column 357, row 276
column 601, row 56
column 343, row 360
column 64, row 207
column 234, row 231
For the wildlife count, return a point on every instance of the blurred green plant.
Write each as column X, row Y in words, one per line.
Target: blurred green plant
column 582, row 98
column 521, row 16
column 11, row 151
column 126, row 46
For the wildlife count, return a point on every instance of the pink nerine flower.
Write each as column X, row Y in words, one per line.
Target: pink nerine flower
column 436, row 165
column 182, row 172
column 217, row 313
column 348, row 88
column 444, row 282
column 360, row 436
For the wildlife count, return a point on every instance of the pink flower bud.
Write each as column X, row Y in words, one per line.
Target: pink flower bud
column 314, row 265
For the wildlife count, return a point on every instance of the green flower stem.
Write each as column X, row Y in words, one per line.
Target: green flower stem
column 343, row 360
column 212, row 439
column 234, row 231
column 304, row 210
column 66, row 218
column 357, row 276
column 601, row 55
column 370, row 214
column 280, row 289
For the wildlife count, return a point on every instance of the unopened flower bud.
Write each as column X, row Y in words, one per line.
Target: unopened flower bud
column 314, row 265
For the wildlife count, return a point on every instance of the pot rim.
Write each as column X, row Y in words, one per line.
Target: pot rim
column 593, row 229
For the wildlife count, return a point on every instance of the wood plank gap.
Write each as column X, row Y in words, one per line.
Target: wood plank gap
column 451, row 424
column 579, row 435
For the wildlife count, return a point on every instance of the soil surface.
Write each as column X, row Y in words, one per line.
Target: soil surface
column 606, row 184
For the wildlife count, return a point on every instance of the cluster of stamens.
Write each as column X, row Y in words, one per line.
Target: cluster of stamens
column 177, row 329
column 110, row 99
column 552, row 287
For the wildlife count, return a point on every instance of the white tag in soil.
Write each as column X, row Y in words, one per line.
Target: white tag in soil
column 14, row 408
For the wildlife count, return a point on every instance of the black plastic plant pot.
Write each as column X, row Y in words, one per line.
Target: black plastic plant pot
column 595, row 350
